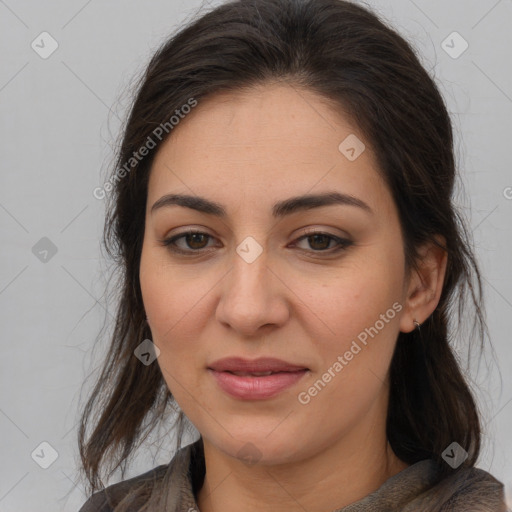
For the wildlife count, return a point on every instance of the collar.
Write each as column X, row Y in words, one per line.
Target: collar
column 415, row 488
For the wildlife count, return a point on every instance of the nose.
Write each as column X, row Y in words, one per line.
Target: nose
column 253, row 297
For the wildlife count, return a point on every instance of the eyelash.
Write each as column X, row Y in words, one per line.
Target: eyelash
column 343, row 243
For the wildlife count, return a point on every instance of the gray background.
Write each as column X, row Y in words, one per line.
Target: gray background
column 60, row 118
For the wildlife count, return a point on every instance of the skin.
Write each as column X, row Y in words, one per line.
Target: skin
column 298, row 301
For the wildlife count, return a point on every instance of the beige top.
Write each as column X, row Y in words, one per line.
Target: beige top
column 414, row 489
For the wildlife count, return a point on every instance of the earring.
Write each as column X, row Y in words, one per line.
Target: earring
column 417, row 324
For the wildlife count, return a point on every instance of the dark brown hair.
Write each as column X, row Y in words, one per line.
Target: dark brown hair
column 349, row 56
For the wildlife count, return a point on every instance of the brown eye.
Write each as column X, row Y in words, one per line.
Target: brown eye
column 321, row 242
column 194, row 241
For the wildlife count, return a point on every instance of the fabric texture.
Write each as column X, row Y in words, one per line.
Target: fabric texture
column 172, row 488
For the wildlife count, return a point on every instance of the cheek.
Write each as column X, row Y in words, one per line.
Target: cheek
column 169, row 293
column 356, row 314
column 175, row 302
column 166, row 307
column 352, row 299
column 354, row 343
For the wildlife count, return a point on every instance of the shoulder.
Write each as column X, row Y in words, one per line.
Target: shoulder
column 106, row 499
column 175, row 480
column 477, row 488
column 466, row 489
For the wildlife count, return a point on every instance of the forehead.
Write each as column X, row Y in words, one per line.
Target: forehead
column 265, row 142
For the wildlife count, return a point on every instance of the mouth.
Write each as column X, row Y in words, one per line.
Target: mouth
column 259, row 379
column 252, row 374
column 262, row 366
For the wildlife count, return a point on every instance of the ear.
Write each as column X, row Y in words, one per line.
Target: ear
column 425, row 284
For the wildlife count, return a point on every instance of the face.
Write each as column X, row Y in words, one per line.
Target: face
column 318, row 284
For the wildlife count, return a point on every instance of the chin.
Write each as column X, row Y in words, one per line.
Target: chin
column 261, row 449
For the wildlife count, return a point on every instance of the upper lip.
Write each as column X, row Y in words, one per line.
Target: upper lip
column 263, row 364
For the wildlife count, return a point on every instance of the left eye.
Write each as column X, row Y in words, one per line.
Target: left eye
column 196, row 241
column 321, row 241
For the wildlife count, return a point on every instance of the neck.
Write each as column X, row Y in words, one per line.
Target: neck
column 330, row 480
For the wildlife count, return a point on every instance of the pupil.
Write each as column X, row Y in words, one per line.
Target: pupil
column 194, row 237
column 315, row 237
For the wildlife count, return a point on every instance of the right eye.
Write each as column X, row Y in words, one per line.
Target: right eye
column 193, row 239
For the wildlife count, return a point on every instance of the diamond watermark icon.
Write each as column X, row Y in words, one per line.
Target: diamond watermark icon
column 249, row 453
column 455, row 455
column 45, row 455
column 249, row 249
column 352, row 147
column 44, row 250
column 44, row 45
column 147, row 352
column 454, row 45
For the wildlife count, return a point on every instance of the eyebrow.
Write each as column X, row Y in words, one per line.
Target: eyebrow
column 279, row 209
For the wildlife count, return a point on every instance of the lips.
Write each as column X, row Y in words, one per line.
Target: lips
column 255, row 380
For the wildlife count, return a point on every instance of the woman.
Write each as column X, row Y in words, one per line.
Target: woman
column 282, row 214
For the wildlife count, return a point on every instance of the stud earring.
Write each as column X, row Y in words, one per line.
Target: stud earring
column 417, row 324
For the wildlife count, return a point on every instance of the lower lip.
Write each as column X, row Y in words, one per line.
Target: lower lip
column 256, row 388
